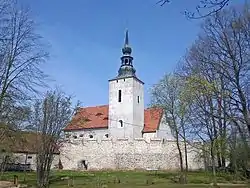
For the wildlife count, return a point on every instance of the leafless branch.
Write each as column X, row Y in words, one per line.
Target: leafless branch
column 49, row 116
column 205, row 8
column 21, row 55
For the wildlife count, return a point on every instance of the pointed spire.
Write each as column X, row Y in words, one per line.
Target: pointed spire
column 126, row 43
column 126, row 50
column 126, row 68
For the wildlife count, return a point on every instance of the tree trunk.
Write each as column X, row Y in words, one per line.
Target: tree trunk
column 224, row 119
column 25, row 173
column 224, row 143
column 186, row 157
column 215, row 141
column 3, row 165
column 42, row 178
column 234, row 155
column 42, row 174
column 183, row 174
column 185, row 147
column 214, row 179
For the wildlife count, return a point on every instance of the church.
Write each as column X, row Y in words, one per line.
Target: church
column 123, row 135
column 124, row 116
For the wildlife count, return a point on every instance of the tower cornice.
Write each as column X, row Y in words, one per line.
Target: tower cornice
column 120, row 78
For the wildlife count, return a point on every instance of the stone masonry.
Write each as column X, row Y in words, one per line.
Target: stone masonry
column 126, row 154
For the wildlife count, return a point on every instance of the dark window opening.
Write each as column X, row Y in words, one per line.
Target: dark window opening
column 91, row 136
column 126, row 61
column 116, row 81
column 75, row 137
column 106, row 135
column 130, row 62
column 84, row 163
column 99, row 114
column 120, row 96
column 124, row 80
column 29, row 157
column 138, row 99
column 121, row 123
column 67, row 136
column 81, row 135
column 86, row 119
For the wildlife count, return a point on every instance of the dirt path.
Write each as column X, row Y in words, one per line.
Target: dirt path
column 6, row 184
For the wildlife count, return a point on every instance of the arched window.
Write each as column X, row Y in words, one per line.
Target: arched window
column 126, row 61
column 91, row 136
column 106, row 135
column 121, row 123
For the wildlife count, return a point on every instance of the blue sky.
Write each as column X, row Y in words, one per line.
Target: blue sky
column 86, row 37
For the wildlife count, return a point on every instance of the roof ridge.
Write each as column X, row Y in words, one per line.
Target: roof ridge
column 154, row 107
column 104, row 105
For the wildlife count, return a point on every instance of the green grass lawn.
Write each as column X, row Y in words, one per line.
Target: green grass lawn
column 123, row 179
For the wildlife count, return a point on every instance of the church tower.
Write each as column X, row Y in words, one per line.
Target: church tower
column 126, row 99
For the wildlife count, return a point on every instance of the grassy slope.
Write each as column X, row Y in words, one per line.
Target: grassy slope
column 127, row 179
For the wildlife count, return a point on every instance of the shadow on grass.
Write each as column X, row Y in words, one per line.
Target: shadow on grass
column 163, row 175
column 61, row 178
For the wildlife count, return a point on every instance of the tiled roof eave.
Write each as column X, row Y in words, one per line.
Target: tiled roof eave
column 149, row 131
column 84, row 128
column 152, row 119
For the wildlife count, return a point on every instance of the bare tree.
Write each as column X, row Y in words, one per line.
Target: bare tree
column 168, row 95
column 50, row 115
column 225, row 46
column 21, row 54
column 217, row 74
column 15, row 116
column 204, row 9
column 202, row 118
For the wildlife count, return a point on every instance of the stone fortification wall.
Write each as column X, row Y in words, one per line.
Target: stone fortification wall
column 125, row 154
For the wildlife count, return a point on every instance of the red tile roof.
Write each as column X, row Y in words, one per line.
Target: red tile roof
column 97, row 117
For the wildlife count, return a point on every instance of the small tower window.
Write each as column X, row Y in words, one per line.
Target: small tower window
column 138, row 99
column 121, row 123
column 120, row 96
column 130, row 62
column 126, row 61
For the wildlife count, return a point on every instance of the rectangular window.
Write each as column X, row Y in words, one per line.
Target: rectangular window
column 138, row 99
column 120, row 96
